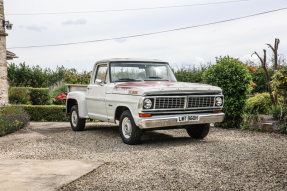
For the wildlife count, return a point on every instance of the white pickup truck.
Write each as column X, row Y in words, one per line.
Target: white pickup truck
column 143, row 95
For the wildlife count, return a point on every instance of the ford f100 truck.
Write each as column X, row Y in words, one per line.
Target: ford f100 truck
column 143, row 95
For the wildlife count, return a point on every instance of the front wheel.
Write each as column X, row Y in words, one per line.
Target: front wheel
column 198, row 131
column 77, row 123
column 130, row 133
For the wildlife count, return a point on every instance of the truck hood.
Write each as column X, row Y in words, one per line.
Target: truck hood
column 163, row 87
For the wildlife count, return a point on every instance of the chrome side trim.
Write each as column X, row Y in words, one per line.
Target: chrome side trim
column 171, row 120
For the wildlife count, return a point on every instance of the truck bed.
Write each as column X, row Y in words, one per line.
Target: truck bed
column 76, row 87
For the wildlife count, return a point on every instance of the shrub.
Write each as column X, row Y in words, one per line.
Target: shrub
column 40, row 96
column 73, row 77
column 58, row 89
column 12, row 119
column 234, row 80
column 23, row 75
column 191, row 74
column 46, row 112
column 283, row 128
column 259, row 104
column 27, row 95
column 252, row 122
column 279, row 82
column 278, row 112
column 260, row 80
column 19, row 95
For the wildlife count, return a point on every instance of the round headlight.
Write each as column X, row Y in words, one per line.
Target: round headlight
column 147, row 103
column 218, row 101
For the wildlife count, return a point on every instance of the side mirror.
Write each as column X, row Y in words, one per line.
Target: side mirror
column 98, row 82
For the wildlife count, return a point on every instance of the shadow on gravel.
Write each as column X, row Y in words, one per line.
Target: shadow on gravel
column 151, row 139
column 49, row 131
column 156, row 137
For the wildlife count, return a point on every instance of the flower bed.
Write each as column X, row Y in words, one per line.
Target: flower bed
column 60, row 100
column 12, row 118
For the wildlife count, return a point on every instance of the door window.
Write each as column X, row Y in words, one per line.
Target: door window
column 102, row 74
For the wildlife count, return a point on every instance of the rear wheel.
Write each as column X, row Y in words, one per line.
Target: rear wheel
column 130, row 133
column 198, row 131
column 77, row 123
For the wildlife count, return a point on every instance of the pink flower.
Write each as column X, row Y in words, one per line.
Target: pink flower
column 58, row 97
column 63, row 95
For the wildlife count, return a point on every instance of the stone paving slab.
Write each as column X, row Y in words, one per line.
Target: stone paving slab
column 44, row 175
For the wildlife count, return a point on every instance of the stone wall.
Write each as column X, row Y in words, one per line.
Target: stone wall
column 3, row 63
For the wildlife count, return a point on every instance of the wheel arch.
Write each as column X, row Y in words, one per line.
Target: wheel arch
column 119, row 110
column 77, row 98
column 70, row 104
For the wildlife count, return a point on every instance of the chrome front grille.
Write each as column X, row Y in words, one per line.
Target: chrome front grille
column 194, row 102
column 170, row 103
column 188, row 102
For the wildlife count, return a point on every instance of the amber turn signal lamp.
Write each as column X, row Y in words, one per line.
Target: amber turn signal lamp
column 217, row 111
column 145, row 115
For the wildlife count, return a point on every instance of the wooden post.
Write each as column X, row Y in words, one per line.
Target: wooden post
column 3, row 63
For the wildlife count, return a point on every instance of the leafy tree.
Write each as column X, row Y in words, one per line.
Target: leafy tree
column 260, row 80
column 191, row 74
column 74, row 77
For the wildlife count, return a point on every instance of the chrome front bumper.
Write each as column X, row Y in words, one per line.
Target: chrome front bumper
column 171, row 120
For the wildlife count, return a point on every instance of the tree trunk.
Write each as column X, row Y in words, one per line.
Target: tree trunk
column 263, row 63
column 275, row 52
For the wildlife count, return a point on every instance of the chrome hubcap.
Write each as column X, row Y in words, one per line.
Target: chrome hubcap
column 127, row 128
column 74, row 118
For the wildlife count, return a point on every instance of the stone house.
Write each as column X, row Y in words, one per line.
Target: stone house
column 3, row 62
column 10, row 55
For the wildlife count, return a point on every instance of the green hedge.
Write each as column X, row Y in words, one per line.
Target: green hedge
column 35, row 76
column 28, row 95
column 46, row 112
column 40, row 96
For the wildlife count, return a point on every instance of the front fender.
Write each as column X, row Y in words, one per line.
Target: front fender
column 80, row 97
column 132, row 106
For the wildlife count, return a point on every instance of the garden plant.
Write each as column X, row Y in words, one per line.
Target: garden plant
column 234, row 80
column 12, row 119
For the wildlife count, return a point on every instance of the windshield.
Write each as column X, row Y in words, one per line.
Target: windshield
column 140, row 71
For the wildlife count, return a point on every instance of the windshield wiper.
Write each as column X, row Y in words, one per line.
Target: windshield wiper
column 155, row 77
column 126, row 79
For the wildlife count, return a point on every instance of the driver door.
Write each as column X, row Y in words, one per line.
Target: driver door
column 96, row 94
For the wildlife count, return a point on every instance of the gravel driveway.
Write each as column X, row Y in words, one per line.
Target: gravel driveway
column 166, row 160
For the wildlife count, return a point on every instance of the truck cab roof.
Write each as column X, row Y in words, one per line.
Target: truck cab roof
column 130, row 60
